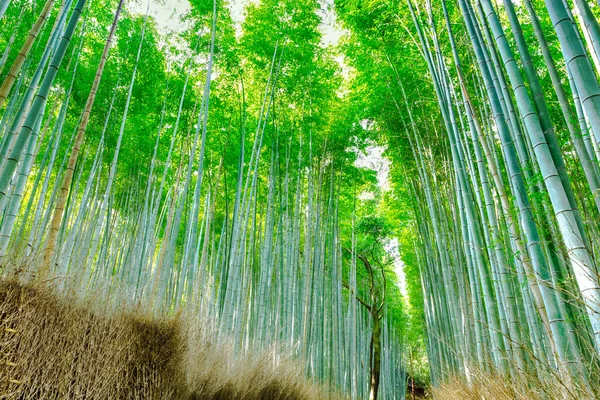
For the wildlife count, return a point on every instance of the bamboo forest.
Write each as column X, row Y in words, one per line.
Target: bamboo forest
column 300, row 199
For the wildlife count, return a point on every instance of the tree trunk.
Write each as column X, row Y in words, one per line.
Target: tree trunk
column 64, row 190
column 375, row 353
column 22, row 56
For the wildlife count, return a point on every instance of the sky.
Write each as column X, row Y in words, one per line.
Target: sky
column 167, row 14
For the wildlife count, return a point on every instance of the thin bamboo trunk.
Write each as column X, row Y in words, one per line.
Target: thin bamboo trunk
column 24, row 52
column 68, row 176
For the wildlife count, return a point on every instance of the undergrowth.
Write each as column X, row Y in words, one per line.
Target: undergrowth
column 530, row 386
column 53, row 347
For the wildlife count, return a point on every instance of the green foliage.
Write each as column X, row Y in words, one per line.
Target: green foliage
column 315, row 123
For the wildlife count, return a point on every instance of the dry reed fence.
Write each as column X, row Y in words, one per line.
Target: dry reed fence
column 55, row 348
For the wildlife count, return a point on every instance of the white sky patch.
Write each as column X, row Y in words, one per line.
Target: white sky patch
column 167, row 13
column 372, row 158
column 393, row 249
column 237, row 8
column 329, row 27
column 366, row 196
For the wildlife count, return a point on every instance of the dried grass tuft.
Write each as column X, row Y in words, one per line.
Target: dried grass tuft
column 55, row 348
column 494, row 387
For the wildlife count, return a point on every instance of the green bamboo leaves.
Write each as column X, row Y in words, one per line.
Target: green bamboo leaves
column 127, row 171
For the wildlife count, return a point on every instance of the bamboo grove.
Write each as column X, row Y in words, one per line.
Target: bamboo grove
column 215, row 168
column 202, row 169
column 528, row 280
column 491, row 110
